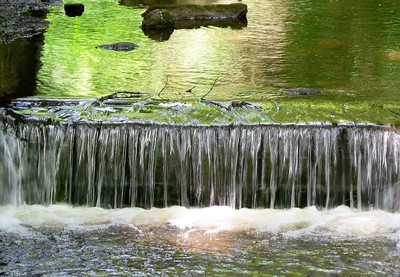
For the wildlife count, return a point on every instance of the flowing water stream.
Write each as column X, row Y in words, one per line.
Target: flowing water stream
column 158, row 199
column 170, row 185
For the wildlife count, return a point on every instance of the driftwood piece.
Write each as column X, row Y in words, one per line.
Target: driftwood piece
column 231, row 105
column 212, row 87
column 124, row 95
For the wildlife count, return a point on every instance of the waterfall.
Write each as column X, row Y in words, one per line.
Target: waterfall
column 156, row 165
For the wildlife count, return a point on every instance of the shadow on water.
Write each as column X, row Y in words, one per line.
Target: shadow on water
column 19, row 64
column 165, row 34
column 23, row 24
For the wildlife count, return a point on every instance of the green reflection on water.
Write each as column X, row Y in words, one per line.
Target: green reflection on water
column 349, row 46
column 350, row 51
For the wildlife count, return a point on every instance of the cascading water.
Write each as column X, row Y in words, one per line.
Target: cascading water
column 155, row 165
column 324, row 199
column 180, row 197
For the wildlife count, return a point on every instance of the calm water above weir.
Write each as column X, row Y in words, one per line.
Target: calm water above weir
column 350, row 52
column 92, row 188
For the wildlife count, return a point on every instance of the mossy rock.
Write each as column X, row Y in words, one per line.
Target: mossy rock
column 158, row 19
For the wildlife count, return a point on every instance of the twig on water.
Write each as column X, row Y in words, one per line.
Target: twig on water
column 202, row 98
column 277, row 107
column 179, row 94
column 166, row 83
column 190, row 90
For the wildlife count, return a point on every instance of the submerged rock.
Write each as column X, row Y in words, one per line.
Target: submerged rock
column 301, row 91
column 169, row 16
column 119, row 46
column 74, row 9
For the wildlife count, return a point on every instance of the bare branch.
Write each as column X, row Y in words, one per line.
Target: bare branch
column 214, row 103
column 202, row 98
column 166, row 83
column 190, row 90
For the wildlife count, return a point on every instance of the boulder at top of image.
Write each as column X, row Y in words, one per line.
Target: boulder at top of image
column 74, row 9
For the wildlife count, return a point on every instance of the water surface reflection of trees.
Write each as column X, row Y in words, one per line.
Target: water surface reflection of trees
column 19, row 63
column 350, row 45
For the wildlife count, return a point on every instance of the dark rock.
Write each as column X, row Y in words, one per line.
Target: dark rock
column 119, row 46
column 242, row 104
column 23, row 18
column 16, row 116
column 168, row 16
column 158, row 19
column 301, row 91
column 74, row 9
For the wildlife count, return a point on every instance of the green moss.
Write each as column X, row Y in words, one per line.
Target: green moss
column 290, row 110
column 32, row 255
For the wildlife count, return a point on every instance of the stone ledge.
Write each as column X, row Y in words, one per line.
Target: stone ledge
column 170, row 16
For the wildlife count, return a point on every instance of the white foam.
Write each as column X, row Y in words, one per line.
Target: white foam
column 341, row 221
column 10, row 223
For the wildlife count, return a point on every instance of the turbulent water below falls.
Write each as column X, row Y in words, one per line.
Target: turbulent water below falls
column 61, row 240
